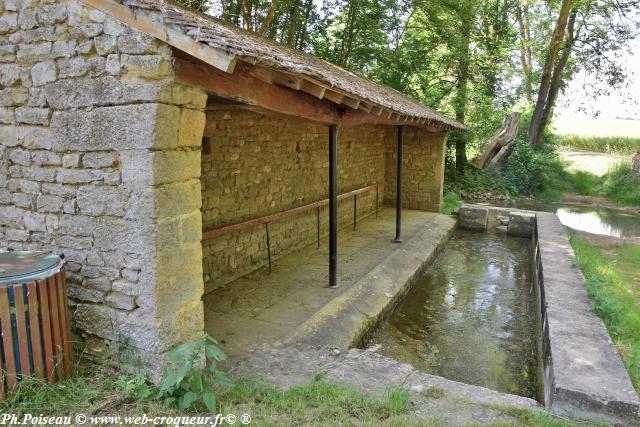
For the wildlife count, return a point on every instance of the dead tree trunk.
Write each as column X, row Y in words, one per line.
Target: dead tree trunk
column 499, row 145
column 635, row 165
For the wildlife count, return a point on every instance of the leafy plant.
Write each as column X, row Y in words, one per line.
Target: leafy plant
column 450, row 202
column 190, row 385
column 532, row 170
column 621, row 186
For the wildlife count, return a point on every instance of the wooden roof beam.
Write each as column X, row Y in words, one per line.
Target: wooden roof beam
column 377, row 110
column 359, row 117
column 287, row 80
column 351, row 102
column 365, row 106
column 313, row 89
column 334, row 96
column 242, row 86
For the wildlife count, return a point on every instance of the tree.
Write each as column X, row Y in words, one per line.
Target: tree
column 551, row 68
column 587, row 33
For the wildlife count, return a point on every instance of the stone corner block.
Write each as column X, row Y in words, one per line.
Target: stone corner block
column 473, row 218
column 521, row 224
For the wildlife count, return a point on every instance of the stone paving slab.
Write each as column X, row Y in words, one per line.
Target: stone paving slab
column 589, row 378
column 449, row 403
column 264, row 307
column 347, row 320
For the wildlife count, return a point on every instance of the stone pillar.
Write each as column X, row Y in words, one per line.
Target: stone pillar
column 100, row 160
column 161, row 231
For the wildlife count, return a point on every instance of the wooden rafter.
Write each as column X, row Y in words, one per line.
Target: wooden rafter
column 242, row 86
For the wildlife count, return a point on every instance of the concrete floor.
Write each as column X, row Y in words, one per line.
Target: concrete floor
column 264, row 308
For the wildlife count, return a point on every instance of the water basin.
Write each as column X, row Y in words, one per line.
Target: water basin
column 603, row 221
column 472, row 316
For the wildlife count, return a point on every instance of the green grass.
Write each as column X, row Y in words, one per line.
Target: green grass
column 585, row 183
column 617, row 185
column 603, row 144
column 613, row 283
column 95, row 390
column 450, row 202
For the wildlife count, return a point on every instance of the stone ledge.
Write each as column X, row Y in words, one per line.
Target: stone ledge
column 347, row 320
column 588, row 376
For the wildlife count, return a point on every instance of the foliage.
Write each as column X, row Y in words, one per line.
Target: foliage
column 197, row 5
column 603, row 144
column 450, row 202
column 536, row 171
column 621, row 186
column 613, row 285
column 188, row 385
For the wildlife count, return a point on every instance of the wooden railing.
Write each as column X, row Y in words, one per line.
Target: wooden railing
column 244, row 225
column 267, row 219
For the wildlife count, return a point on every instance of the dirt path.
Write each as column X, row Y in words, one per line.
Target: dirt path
column 589, row 161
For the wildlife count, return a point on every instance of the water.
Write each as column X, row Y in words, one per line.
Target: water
column 472, row 317
column 604, row 221
column 592, row 219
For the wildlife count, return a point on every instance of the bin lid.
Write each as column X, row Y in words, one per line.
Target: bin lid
column 26, row 266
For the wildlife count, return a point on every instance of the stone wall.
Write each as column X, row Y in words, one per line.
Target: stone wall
column 100, row 160
column 255, row 165
column 423, row 170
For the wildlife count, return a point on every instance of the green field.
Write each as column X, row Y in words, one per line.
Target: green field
column 605, row 144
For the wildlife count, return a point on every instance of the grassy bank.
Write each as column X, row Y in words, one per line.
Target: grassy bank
column 613, row 282
column 95, row 390
column 618, row 185
column 603, row 144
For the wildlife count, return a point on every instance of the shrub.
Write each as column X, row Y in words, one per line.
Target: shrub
column 532, row 170
column 621, row 186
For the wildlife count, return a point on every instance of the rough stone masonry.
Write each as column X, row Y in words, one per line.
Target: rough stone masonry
column 100, row 160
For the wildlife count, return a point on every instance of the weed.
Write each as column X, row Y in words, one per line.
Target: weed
column 434, row 393
column 450, row 202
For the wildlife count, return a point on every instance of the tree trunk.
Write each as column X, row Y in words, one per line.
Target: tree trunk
column 536, row 127
column 302, row 34
column 293, row 23
column 635, row 165
column 267, row 20
column 461, row 98
column 525, row 51
column 246, row 7
column 347, row 35
column 556, row 79
column 493, row 146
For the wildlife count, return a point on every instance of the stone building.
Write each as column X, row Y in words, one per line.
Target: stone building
column 127, row 127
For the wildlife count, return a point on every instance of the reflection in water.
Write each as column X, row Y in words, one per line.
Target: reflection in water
column 472, row 316
column 608, row 222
